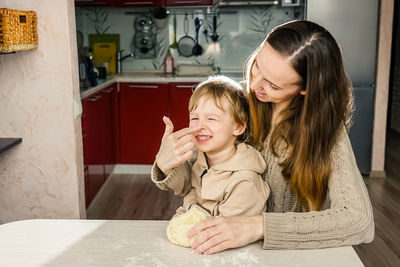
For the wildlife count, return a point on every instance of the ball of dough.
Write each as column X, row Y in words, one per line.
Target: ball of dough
column 180, row 225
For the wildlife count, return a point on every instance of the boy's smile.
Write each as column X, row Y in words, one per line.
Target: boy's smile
column 202, row 138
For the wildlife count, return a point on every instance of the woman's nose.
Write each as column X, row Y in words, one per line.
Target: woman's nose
column 255, row 82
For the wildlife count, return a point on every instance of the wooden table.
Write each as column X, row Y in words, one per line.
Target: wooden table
column 137, row 243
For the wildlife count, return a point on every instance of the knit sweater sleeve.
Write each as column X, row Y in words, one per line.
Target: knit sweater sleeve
column 179, row 180
column 348, row 220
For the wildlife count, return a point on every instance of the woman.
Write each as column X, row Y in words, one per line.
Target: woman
column 300, row 101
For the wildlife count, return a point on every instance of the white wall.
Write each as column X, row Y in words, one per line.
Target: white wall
column 43, row 176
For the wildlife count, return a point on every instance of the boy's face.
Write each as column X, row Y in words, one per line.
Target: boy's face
column 218, row 130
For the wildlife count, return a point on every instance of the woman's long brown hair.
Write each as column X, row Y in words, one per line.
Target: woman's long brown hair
column 309, row 127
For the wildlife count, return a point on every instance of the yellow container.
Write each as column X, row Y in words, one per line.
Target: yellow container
column 18, row 30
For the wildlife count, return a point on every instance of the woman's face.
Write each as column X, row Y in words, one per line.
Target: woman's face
column 273, row 78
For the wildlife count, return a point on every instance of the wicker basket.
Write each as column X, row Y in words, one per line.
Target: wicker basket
column 18, row 30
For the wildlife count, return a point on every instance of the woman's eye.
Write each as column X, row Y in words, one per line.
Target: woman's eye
column 212, row 119
column 193, row 119
column 272, row 86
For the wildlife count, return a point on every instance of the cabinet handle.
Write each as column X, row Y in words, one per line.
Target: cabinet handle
column 185, row 86
column 188, row 2
column 109, row 90
column 142, row 86
column 91, row 1
column 94, row 98
column 138, row 3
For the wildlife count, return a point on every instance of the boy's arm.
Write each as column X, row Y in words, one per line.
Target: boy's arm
column 178, row 180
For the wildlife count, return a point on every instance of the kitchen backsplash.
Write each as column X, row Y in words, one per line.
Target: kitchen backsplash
column 239, row 32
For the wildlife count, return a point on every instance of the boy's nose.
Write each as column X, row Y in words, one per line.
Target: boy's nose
column 202, row 123
column 199, row 124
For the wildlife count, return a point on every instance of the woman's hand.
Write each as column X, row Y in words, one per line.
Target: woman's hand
column 222, row 233
column 175, row 148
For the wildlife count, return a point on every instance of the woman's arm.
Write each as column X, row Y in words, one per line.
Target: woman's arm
column 223, row 233
column 348, row 220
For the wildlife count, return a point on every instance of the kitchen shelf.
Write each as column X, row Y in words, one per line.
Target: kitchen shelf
column 6, row 143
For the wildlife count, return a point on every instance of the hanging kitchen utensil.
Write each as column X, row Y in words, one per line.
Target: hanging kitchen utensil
column 143, row 23
column 214, row 35
column 174, row 45
column 144, row 41
column 186, row 43
column 205, row 32
column 197, row 49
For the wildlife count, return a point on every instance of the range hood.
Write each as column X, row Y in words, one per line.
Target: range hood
column 227, row 3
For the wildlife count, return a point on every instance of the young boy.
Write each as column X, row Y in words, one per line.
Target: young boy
column 226, row 177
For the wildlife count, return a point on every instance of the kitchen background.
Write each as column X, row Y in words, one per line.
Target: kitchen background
column 239, row 31
column 39, row 98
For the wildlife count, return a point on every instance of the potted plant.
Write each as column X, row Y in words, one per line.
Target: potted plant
column 160, row 15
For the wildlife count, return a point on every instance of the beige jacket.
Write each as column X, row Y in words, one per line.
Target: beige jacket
column 234, row 187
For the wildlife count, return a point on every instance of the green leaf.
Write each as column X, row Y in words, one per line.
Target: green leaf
column 106, row 29
column 105, row 17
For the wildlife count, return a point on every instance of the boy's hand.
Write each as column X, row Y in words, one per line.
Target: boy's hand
column 175, row 148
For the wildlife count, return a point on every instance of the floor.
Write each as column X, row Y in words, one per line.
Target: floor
column 385, row 198
column 135, row 197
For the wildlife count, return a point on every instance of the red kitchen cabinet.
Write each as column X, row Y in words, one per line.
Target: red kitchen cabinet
column 110, row 126
column 178, row 103
column 94, row 3
column 92, row 149
column 142, row 106
column 98, row 139
column 138, row 3
column 188, row 2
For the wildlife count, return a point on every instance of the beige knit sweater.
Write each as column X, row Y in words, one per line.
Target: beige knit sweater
column 347, row 217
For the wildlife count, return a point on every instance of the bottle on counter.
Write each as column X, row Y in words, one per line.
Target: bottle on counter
column 168, row 63
column 92, row 75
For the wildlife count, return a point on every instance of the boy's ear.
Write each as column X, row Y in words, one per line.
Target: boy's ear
column 239, row 129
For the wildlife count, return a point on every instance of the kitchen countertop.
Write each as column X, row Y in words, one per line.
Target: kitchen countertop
column 46, row 242
column 150, row 77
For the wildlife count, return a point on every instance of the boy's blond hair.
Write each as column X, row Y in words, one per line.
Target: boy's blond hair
column 217, row 87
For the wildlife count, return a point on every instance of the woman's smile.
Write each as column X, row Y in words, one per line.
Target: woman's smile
column 259, row 94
